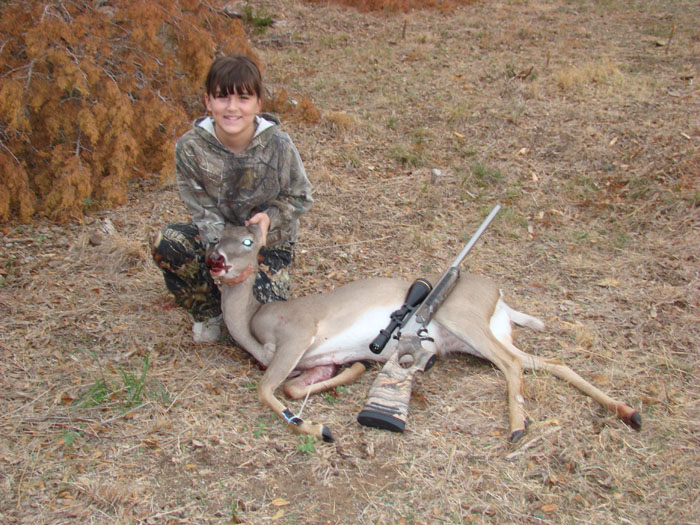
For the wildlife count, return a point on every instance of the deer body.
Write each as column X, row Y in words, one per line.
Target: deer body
column 314, row 334
column 343, row 321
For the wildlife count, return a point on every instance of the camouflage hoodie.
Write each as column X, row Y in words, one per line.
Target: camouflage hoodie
column 219, row 186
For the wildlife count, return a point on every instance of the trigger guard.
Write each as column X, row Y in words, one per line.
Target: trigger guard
column 422, row 335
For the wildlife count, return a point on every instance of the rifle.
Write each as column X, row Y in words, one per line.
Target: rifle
column 390, row 394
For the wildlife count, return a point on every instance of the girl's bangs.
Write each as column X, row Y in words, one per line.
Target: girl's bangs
column 236, row 88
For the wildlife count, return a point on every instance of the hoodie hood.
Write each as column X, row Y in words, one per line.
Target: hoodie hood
column 263, row 122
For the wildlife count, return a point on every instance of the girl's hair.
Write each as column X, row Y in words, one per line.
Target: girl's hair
column 234, row 74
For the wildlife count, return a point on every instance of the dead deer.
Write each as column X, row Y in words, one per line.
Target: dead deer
column 314, row 335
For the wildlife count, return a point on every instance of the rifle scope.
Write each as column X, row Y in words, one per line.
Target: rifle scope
column 418, row 291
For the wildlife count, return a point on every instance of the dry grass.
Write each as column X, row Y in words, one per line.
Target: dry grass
column 570, row 115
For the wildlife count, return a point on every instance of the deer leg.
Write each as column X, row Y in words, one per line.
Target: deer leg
column 511, row 366
column 557, row 368
column 516, row 415
column 311, row 382
column 280, row 367
column 486, row 345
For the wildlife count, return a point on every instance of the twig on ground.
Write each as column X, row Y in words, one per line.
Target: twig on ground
column 670, row 38
column 183, row 391
column 104, row 422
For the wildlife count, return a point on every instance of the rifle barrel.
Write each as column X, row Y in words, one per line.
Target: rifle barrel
column 425, row 311
column 476, row 236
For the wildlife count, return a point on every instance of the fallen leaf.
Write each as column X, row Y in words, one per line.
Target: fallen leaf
column 67, row 399
column 280, row 502
column 150, row 443
column 601, row 380
column 419, row 397
column 548, row 509
column 277, row 515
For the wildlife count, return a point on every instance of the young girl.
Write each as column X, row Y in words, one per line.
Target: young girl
column 235, row 166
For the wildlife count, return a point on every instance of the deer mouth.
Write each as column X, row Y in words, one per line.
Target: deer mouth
column 217, row 265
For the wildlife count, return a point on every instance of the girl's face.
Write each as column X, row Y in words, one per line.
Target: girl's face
column 234, row 118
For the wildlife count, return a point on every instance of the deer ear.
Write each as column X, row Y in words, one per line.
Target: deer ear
column 256, row 231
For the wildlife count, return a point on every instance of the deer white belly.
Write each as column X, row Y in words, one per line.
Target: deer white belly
column 349, row 344
column 352, row 342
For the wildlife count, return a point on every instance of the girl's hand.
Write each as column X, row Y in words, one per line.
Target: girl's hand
column 262, row 219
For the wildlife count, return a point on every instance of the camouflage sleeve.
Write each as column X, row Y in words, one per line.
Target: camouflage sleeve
column 294, row 198
column 205, row 213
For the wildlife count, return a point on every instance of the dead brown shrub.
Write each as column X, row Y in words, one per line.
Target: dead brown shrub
column 93, row 97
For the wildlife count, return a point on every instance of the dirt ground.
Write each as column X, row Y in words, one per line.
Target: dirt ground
column 581, row 118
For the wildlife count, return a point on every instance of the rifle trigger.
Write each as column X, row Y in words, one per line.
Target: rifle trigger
column 421, row 334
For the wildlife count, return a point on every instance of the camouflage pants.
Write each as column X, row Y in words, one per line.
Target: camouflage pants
column 178, row 251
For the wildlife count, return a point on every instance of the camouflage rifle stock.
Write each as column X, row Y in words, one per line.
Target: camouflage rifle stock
column 390, row 394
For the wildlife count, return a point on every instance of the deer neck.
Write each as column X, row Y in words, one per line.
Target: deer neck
column 239, row 306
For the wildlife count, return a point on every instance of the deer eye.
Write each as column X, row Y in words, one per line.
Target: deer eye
column 247, row 242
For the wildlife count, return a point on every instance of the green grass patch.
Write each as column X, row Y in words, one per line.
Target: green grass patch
column 127, row 391
column 259, row 19
column 486, row 176
column 408, row 156
column 307, row 444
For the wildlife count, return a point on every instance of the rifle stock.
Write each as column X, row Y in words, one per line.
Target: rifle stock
column 390, row 394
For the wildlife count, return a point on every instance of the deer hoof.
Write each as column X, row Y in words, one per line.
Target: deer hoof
column 327, row 435
column 515, row 436
column 636, row 420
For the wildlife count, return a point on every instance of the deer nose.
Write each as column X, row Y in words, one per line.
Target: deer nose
column 215, row 260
